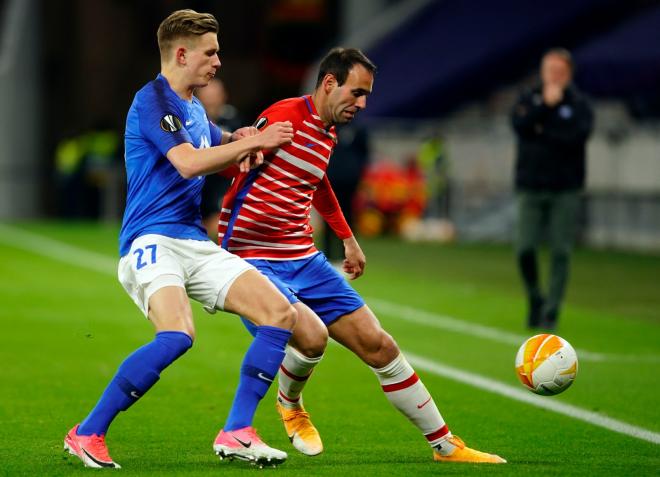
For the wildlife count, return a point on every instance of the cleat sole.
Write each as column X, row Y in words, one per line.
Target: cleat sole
column 258, row 461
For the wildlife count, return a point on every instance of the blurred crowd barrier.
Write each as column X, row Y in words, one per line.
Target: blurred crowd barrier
column 468, row 193
column 435, row 181
column 89, row 175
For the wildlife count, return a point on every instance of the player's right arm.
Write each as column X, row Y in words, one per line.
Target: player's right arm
column 325, row 202
column 192, row 162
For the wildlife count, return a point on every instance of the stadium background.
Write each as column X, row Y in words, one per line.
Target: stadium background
column 448, row 69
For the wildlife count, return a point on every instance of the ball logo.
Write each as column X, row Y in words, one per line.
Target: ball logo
column 170, row 123
column 261, row 123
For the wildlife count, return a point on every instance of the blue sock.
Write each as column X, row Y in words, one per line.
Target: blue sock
column 134, row 377
column 260, row 365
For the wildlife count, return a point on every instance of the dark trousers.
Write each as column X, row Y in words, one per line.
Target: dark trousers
column 555, row 213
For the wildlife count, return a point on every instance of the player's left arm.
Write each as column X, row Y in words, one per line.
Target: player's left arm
column 224, row 137
column 355, row 261
column 240, row 133
column 325, row 202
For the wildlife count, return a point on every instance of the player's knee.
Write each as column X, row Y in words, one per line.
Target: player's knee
column 189, row 331
column 186, row 327
column 290, row 317
column 283, row 315
column 382, row 351
column 175, row 321
column 314, row 344
column 389, row 349
column 184, row 335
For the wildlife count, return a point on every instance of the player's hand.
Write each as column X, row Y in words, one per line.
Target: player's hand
column 355, row 261
column 277, row 134
column 240, row 133
column 251, row 161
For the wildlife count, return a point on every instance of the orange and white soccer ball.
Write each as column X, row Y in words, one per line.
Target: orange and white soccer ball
column 546, row 364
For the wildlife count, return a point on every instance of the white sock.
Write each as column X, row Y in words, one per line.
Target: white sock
column 294, row 372
column 408, row 394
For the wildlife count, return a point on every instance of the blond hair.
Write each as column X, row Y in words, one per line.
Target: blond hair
column 184, row 24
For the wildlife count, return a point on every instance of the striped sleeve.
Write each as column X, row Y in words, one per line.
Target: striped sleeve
column 325, row 202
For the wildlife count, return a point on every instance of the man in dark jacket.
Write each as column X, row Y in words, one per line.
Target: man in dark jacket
column 552, row 123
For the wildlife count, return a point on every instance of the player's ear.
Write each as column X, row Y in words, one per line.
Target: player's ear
column 180, row 55
column 329, row 82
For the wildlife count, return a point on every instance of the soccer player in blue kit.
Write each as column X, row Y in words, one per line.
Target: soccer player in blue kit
column 166, row 256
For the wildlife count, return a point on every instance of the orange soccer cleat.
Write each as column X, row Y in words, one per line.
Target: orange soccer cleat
column 462, row 453
column 302, row 433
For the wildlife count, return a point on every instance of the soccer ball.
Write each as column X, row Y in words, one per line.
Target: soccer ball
column 546, row 364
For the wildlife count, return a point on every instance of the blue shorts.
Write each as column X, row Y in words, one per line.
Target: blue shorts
column 312, row 281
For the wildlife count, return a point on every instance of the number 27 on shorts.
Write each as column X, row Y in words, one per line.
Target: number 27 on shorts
column 141, row 259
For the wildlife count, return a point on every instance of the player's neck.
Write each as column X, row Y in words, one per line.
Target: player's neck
column 182, row 88
column 320, row 104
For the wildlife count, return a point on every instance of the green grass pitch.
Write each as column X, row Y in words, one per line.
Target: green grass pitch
column 66, row 327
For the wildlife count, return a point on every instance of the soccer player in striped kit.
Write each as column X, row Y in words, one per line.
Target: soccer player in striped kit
column 266, row 220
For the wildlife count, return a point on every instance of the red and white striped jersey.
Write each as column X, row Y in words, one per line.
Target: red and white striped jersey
column 266, row 212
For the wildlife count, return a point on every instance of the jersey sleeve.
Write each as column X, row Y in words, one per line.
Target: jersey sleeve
column 325, row 202
column 162, row 122
column 216, row 134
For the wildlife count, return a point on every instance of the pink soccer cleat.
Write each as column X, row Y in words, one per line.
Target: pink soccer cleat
column 90, row 449
column 246, row 445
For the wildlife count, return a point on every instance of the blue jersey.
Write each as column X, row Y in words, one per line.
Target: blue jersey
column 159, row 200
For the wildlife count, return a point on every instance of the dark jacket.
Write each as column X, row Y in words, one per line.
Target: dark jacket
column 551, row 141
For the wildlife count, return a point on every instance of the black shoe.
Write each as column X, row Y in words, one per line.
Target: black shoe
column 548, row 320
column 534, row 315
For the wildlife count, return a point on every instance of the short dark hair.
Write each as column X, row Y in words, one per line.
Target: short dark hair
column 339, row 61
column 564, row 54
column 184, row 24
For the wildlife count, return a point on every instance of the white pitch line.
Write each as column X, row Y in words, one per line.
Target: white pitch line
column 60, row 251
column 101, row 263
column 547, row 403
column 449, row 323
column 69, row 254
column 72, row 255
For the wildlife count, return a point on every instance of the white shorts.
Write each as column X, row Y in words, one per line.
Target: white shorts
column 204, row 269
